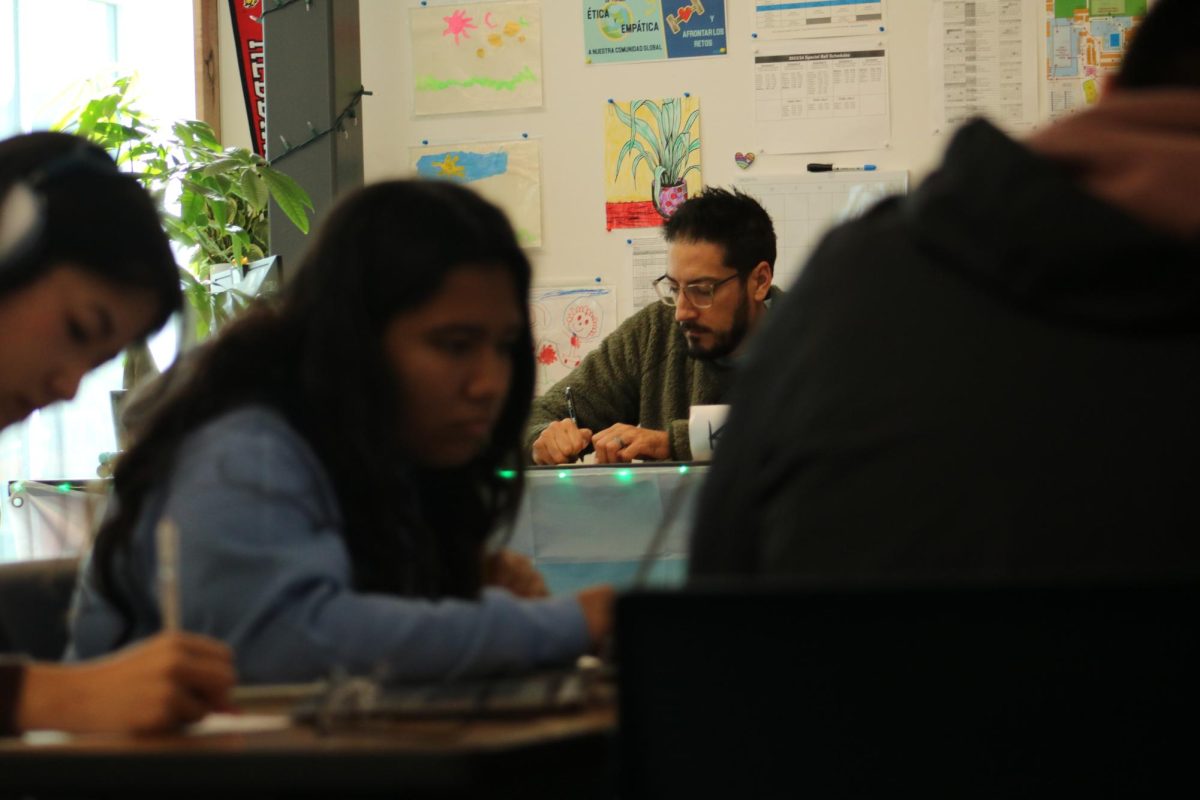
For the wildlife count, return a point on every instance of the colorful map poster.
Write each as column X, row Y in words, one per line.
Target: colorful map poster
column 507, row 173
column 1086, row 40
column 476, row 57
column 652, row 30
column 568, row 323
column 651, row 159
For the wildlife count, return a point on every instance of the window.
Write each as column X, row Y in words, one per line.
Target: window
column 48, row 48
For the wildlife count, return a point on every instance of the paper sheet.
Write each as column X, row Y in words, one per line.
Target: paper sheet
column 983, row 61
column 217, row 724
column 476, row 57
column 822, row 95
column 507, row 173
column 648, row 257
column 568, row 323
column 776, row 19
column 804, row 207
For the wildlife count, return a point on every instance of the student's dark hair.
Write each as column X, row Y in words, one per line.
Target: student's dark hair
column 91, row 216
column 733, row 220
column 318, row 358
column 1163, row 51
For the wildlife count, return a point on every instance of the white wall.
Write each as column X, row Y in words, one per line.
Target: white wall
column 570, row 126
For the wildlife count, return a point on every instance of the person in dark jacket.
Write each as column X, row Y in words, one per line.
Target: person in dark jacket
column 996, row 376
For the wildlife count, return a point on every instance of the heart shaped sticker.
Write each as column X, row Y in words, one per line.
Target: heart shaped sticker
column 743, row 160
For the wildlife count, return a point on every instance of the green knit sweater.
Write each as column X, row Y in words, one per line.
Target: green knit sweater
column 640, row 374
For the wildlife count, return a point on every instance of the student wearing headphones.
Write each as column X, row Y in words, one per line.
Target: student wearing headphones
column 85, row 269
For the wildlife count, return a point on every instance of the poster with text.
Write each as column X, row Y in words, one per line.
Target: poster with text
column 651, row 159
column 652, row 30
column 507, row 173
column 476, row 57
column 568, row 323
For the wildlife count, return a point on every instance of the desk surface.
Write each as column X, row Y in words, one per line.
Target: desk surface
column 548, row 756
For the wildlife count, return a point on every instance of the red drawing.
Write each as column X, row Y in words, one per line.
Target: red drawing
column 457, row 24
column 684, row 14
column 632, row 214
column 582, row 320
column 487, row 20
column 547, row 353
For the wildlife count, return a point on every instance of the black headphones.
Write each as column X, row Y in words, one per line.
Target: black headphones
column 23, row 211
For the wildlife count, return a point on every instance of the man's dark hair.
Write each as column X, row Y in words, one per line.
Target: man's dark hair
column 733, row 220
column 1163, row 50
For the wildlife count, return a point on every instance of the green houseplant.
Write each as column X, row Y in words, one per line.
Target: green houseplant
column 213, row 199
column 657, row 138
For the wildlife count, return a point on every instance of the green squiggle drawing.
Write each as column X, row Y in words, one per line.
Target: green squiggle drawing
column 431, row 84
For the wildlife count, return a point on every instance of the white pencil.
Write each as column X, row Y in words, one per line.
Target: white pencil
column 167, row 540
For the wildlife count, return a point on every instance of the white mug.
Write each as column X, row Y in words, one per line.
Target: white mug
column 705, row 424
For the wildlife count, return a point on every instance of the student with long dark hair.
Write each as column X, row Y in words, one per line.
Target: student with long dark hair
column 85, row 269
column 337, row 464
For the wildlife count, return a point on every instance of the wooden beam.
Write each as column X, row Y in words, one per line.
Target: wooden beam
column 208, row 72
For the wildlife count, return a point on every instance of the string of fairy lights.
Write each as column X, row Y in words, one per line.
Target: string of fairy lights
column 349, row 113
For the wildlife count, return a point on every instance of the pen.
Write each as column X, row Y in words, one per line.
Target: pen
column 831, row 168
column 570, row 405
column 167, row 539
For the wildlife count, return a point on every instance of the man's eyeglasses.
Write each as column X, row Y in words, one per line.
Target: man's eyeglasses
column 699, row 294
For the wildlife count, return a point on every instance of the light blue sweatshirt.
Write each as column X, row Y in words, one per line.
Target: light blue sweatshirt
column 264, row 568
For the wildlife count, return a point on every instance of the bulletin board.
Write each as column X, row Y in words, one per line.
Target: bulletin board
column 933, row 60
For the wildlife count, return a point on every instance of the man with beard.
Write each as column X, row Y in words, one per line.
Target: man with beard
column 631, row 395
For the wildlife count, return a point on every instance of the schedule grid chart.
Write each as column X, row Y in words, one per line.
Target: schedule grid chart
column 804, row 208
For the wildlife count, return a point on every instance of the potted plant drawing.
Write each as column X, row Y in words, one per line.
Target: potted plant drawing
column 665, row 146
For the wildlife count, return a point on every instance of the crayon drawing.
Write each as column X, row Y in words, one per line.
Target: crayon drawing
column 568, row 323
column 651, row 159
column 507, row 173
column 476, row 57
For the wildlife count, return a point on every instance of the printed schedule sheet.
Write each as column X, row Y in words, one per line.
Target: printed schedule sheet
column 822, row 95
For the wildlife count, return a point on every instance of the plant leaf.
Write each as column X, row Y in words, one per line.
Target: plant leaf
column 290, row 197
column 254, row 190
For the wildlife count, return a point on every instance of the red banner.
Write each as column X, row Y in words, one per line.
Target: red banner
column 248, row 34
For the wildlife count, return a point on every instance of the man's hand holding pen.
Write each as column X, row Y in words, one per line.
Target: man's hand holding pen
column 561, row 443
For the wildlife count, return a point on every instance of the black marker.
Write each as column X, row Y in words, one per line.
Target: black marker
column 831, row 168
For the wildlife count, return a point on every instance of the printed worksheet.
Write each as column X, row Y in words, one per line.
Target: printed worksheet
column 822, row 95
column 983, row 61
column 649, row 263
column 788, row 19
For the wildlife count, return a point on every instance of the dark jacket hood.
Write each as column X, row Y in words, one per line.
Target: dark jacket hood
column 1029, row 227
